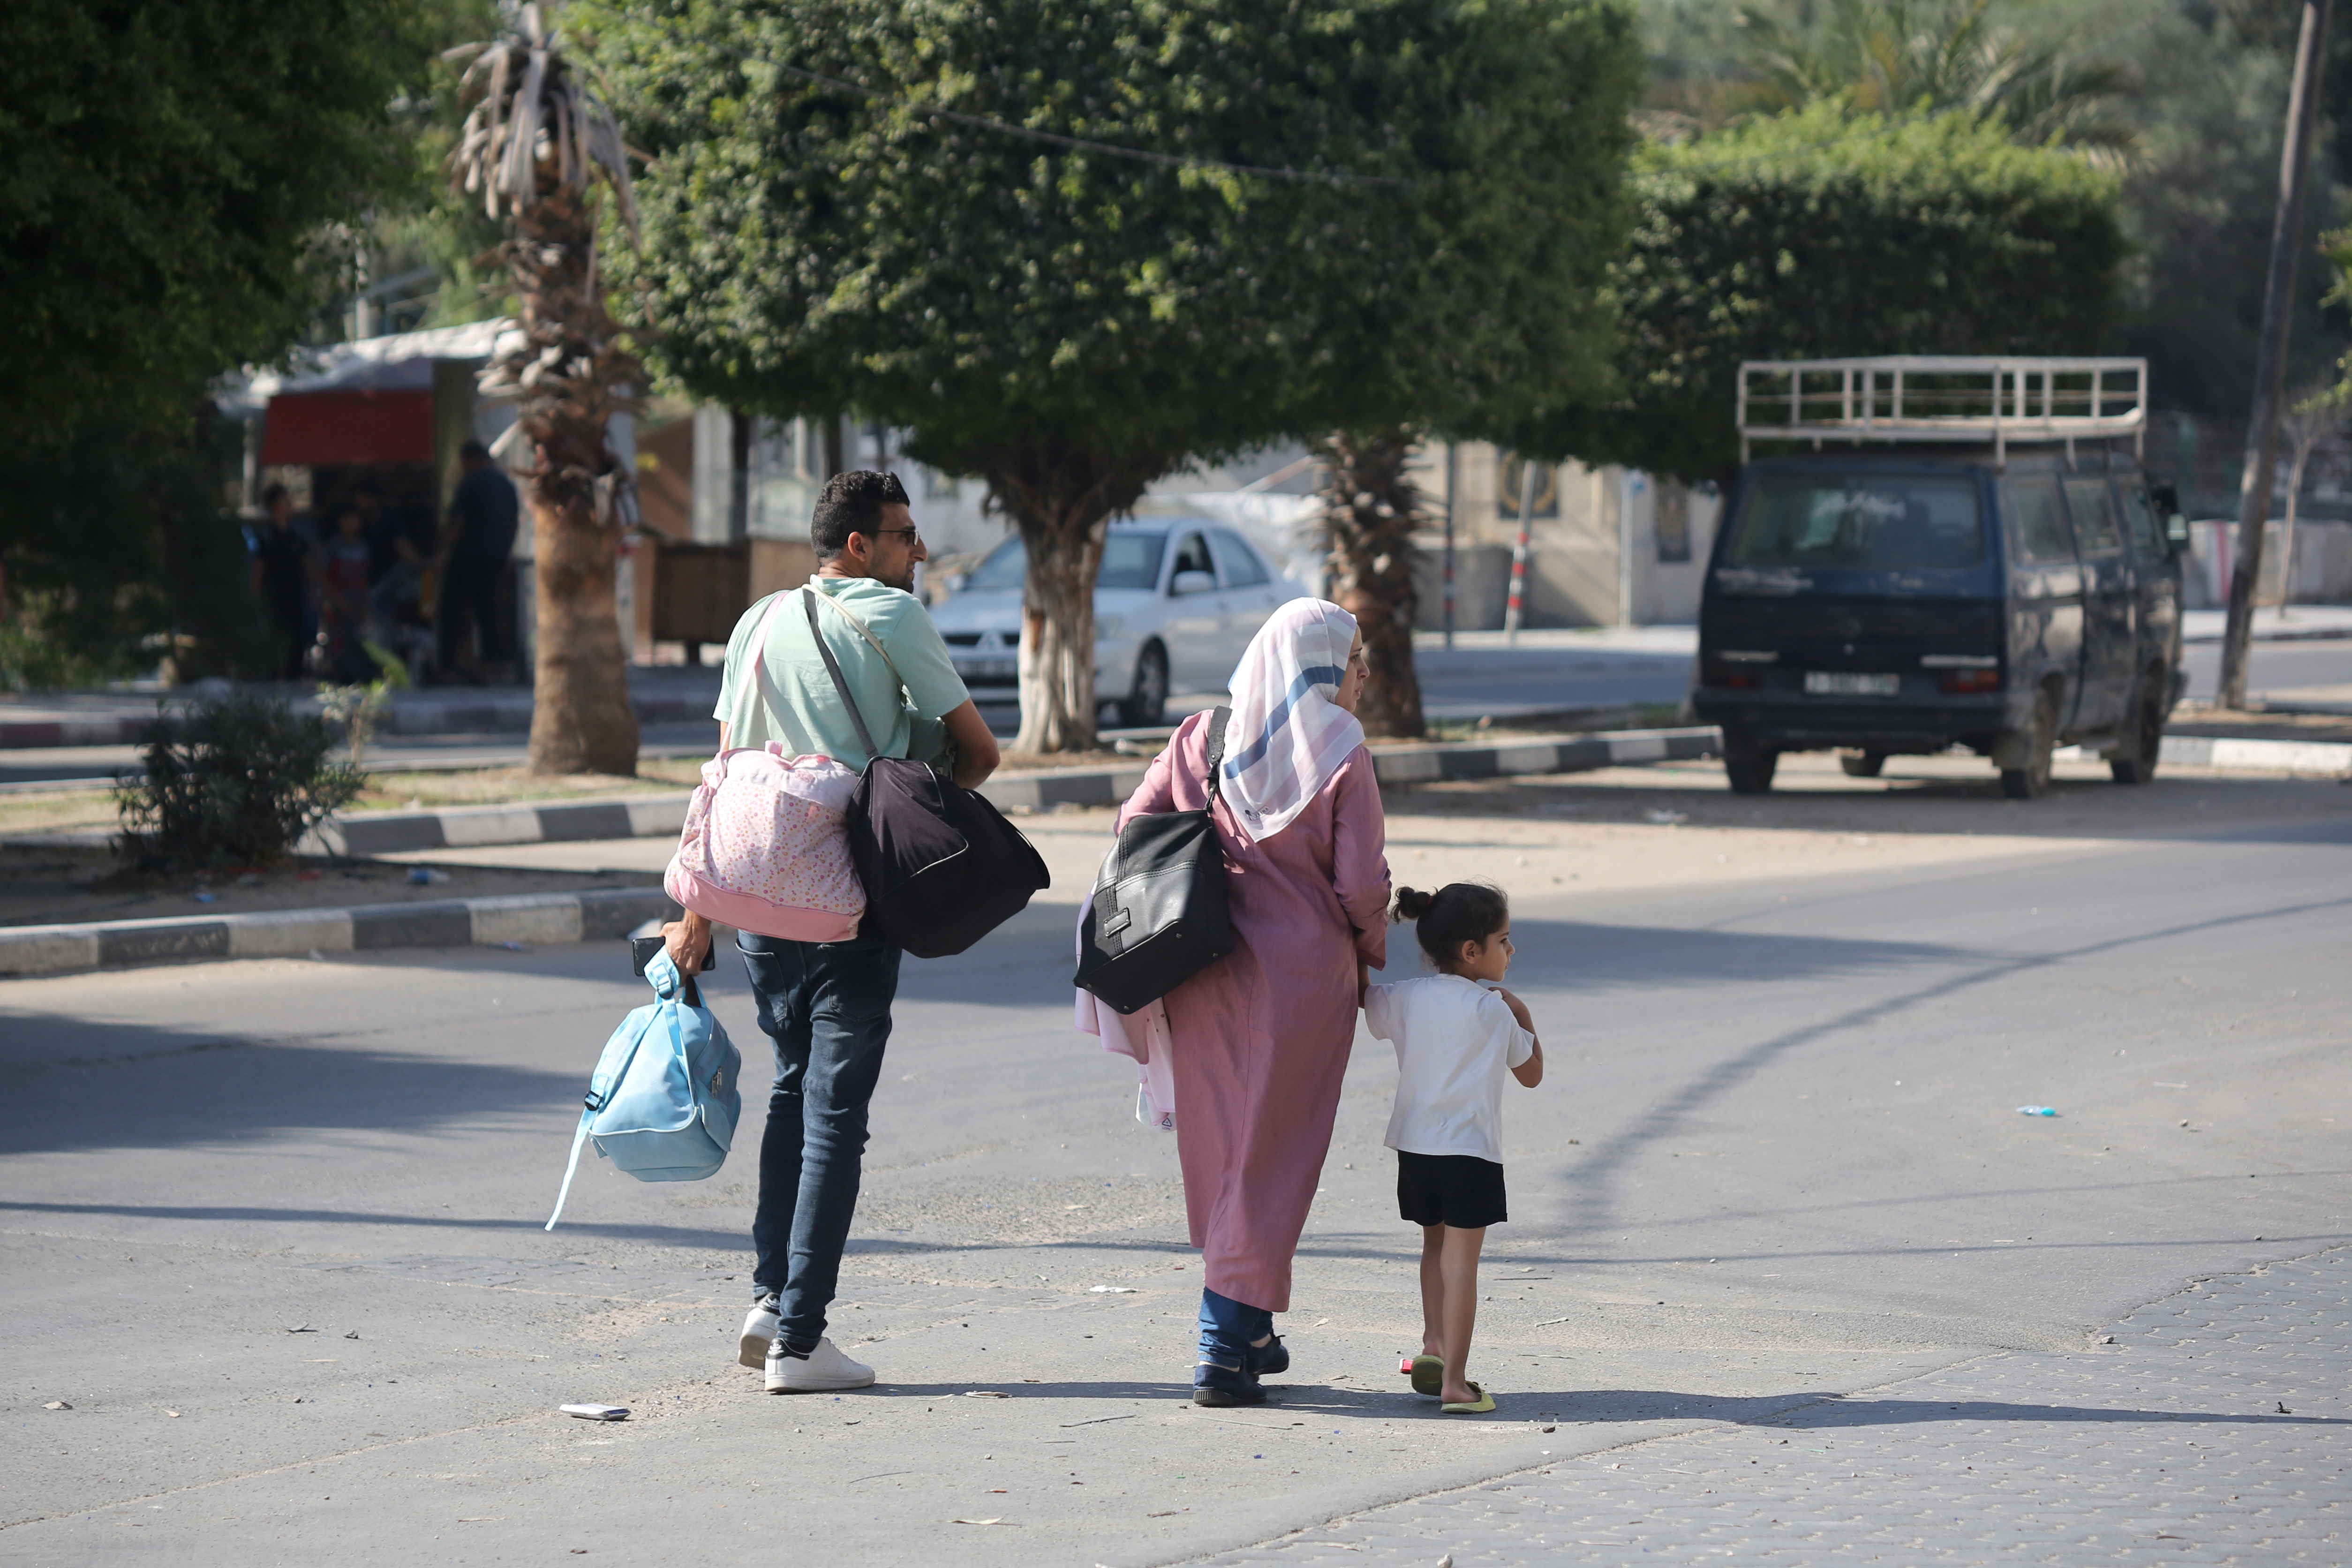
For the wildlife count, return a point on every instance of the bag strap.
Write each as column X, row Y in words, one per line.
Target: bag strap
column 578, row 1138
column 863, row 630
column 809, row 597
column 758, row 658
column 1217, row 718
column 599, row 1095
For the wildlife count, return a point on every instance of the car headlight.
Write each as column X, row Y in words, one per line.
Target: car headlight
column 1109, row 626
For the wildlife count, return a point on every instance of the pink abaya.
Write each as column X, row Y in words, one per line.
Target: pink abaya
column 1259, row 1040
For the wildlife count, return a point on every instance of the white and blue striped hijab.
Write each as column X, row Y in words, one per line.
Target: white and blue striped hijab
column 1286, row 737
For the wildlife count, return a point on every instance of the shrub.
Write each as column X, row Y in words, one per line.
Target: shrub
column 234, row 781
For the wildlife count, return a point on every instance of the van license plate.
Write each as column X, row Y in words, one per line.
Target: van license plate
column 1849, row 683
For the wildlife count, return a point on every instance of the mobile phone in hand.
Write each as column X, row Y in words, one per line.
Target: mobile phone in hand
column 641, row 952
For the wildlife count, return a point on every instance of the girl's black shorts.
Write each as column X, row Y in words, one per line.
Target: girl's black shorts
column 1459, row 1190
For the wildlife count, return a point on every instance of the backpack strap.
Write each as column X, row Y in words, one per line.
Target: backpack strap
column 1217, row 718
column 809, row 597
column 578, row 1138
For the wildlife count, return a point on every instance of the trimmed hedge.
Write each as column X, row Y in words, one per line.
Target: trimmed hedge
column 1821, row 232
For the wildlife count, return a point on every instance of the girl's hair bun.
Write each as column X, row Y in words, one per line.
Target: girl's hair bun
column 1455, row 913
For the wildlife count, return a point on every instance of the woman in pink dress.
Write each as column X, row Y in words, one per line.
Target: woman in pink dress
column 1257, row 1042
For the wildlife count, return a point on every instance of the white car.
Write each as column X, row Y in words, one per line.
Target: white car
column 1177, row 601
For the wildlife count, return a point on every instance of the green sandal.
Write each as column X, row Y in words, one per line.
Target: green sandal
column 1428, row 1374
column 1478, row 1406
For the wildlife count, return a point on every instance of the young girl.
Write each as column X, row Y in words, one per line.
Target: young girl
column 1455, row 1039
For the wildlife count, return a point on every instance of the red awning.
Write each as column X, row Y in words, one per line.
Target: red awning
column 315, row 428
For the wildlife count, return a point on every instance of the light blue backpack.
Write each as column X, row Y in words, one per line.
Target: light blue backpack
column 663, row 1102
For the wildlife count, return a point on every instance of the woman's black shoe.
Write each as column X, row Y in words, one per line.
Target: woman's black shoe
column 1220, row 1386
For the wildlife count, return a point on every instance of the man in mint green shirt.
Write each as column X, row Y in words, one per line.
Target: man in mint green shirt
column 827, row 1006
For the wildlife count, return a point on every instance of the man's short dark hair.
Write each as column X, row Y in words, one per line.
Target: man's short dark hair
column 473, row 452
column 852, row 503
column 272, row 494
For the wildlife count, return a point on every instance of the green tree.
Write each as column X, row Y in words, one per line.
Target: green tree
column 1904, row 56
column 170, row 177
column 1074, row 248
column 1823, row 232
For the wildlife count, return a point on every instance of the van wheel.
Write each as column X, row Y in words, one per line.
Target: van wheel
column 2136, row 763
column 1748, row 766
column 1146, row 704
column 1863, row 764
column 2033, row 780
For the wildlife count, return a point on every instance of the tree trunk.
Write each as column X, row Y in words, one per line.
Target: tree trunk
column 1370, row 509
column 569, row 373
column 581, row 718
column 1062, row 504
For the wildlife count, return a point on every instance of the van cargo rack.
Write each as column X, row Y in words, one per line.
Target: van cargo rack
column 1927, row 397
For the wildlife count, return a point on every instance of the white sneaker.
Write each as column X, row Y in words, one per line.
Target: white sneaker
column 759, row 1330
column 823, row 1368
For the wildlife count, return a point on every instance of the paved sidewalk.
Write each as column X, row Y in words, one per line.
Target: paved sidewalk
column 2215, row 1427
column 2297, row 622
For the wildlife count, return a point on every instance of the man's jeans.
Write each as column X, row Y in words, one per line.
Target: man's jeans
column 826, row 1006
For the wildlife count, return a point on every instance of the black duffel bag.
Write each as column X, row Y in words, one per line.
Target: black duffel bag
column 940, row 865
column 1159, row 914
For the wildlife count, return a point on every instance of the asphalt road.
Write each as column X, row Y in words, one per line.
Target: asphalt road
column 271, row 1229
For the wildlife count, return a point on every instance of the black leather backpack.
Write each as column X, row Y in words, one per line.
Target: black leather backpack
column 1160, row 914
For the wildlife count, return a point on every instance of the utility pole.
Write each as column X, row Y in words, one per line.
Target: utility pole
column 2270, row 364
column 1451, row 447
column 1512, row 607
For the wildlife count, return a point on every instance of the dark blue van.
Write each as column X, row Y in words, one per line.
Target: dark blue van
column 1908, row 598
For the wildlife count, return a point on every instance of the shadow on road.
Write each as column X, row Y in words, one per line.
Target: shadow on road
column 111, row 1085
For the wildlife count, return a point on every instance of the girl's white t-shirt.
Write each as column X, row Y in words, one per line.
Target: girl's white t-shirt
column 1454, row 1040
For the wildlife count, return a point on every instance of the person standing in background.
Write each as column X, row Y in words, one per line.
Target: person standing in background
column 279, row 576
column 475, row 544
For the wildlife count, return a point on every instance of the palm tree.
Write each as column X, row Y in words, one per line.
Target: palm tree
column 1371, row 507
column 532, row 147
column 1900, row 57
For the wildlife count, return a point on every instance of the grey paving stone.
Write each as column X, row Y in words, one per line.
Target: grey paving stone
column 2168, row 1445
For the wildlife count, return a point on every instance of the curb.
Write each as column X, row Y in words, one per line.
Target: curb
column 1437, row 763
column 536, row 917
column 2329, row 757
column 2312, row 634
column 459, row 827
column 479, row 716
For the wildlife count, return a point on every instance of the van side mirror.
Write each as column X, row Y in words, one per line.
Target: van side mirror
column 2175, row 533
column 1185, row 583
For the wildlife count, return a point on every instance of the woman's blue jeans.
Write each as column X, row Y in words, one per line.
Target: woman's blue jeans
column 1228, row 1329
column 827, row 1008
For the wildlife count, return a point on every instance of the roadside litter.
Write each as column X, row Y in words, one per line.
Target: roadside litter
column 2037, row 1110
column 597, row 1412
column 1113, row 1289
column 1665, row 818
column 425, row 876
column 56, row 1405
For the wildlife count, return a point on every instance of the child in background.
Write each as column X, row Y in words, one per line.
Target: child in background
column 1454, row 1040
column 343, row 563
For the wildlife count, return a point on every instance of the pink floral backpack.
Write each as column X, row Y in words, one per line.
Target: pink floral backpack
column 764, row 848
